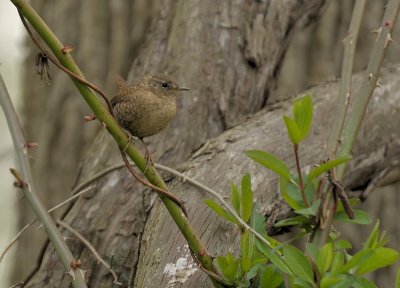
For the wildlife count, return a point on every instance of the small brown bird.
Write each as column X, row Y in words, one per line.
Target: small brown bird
column 147, row 107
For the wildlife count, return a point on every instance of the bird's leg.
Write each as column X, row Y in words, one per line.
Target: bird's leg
column 148, row 156
column 130, row 140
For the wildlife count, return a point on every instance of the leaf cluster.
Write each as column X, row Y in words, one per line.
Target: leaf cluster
column 282, row 264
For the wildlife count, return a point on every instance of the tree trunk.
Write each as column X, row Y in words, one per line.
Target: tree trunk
column 229, row 53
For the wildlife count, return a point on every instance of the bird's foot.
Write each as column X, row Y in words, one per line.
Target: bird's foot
column 130, row 140
column 149, row 157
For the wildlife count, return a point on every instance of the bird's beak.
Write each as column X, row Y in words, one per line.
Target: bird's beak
column 182, row 89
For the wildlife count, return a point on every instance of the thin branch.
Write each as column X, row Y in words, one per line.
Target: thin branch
column 210, row 191
column 29, row 191
column 92, row 249
column 160, row 191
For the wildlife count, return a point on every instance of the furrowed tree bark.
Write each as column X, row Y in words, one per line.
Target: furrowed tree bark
column 229, row 53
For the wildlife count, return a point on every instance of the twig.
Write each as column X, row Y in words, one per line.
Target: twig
column 148, row 184
column 61, row 67
column 20, row 284
column 375, row 182
column 210, row 191
column 301, row 186
column 29, row 191
column 91, row 248
column 339, row 192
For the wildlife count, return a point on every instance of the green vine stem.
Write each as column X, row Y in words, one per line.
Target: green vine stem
column 20, row 146
column 118, row 134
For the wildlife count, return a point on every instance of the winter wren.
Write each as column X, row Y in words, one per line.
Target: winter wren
column 147, row 107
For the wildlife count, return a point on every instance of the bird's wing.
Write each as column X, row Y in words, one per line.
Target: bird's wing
column 118, row 99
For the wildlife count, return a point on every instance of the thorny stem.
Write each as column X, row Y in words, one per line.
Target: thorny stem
column 92, row 249
column 359, row 105
column 344, row 97
column 30, row 193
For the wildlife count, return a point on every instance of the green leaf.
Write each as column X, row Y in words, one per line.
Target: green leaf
column 397, row 284
column 228, row 266
column 352, row 202
column 270, row 161
column 320, row 169
column 235, row 198
column 303, row 114
column 312, row 210
column 329, row 281
column 220, row 211
column 310, row 191
column 247, row 244
column 298, row 263
column 245, row 264
column 337, row 281
column 270, row 278
column 369, row 260
column 337, row 263
column 273, row 257
column 343, row 244
column 373, row 240
column 325, row 257
column 292, row 129
column 258, row 222
column 254, row 271
column 363, row 283
column 284, row 186
column 300, row 283
column 297, row 220
column 380, row 257
column 357, row 260
column 247, row 198
column 360, row 217
column 312, row 250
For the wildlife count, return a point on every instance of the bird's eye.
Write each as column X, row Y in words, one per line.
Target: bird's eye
column 165, row 84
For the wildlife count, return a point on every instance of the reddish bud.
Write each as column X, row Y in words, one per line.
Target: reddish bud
column 67, row 49
column 89, row 118
column 30, row 145
column 75, row 264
